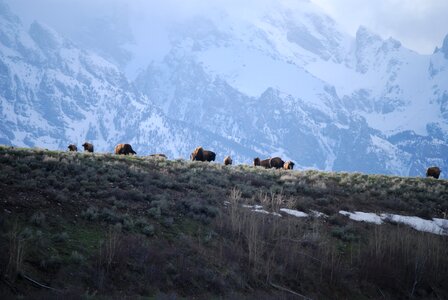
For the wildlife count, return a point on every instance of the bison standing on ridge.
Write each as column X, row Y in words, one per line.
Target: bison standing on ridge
column 72, row 147
column 88, row 147
column 276, row 162
column 433, row 172
column 125, row 149
column 202, row 155
column 264, row 163
column 289, row 165
column 227, row 160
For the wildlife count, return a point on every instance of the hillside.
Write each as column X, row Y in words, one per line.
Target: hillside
column 104, row 225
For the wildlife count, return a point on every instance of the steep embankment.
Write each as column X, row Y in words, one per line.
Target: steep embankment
column 100, row 224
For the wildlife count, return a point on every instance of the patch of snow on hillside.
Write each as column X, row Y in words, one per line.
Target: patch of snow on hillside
column 295, row 213
column 442, row 223
column 435, row 226
column 259, row 209
column 362, row 216
column 431, row 226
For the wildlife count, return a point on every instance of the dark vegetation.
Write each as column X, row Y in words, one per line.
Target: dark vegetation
column 102, row 225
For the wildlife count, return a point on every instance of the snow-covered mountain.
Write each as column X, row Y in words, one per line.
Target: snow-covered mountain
column 53, row 94
column 290, row 79
column 282, row 80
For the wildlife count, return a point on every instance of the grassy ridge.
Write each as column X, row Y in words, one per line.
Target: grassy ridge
column 101, row 224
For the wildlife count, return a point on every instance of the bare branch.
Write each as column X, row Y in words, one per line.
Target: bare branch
column 40, row 284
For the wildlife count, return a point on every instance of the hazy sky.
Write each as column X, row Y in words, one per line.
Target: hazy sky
column 419, row 24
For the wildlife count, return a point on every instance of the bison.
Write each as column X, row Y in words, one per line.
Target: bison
column 202, row 155
column 264, row 163
column 125, row 149
column 227, row 160
column 433, row 172
column 289, row 165
column 88, row 147
column 72, row 147
column 276, row 162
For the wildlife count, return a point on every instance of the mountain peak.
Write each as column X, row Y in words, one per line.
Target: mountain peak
column 44, row 36
column 364, row 33
column 445, row 47
column 6, row 13
column 391, row 44
column 366, row 38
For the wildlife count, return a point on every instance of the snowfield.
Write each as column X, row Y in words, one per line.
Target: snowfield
column 435, row 226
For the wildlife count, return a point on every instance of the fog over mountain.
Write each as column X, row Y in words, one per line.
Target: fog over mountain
column 262, row 78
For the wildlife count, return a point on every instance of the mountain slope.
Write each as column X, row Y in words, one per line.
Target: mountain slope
column 55, row 93
column 290, row 80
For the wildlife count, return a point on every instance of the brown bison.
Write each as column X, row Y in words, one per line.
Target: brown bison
column 276, row 162
column 433, row 172
column 88, row 147
column 289, row 165
column 227, row 160
column 159, row 155
column 125, row 149
column 264, row 163
column 72, row 147
column 202, row 155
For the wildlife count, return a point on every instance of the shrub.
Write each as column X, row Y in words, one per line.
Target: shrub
column 110, row 215
column 162, row 203
column 155, row 212
column 168, row 222
column 60, row 237
column 148, row 230
column 337, row 219
column 90, row 214
column 51, row 262
column 346, row 233
column 77, row 258
column 38, row 219
column 128, row 222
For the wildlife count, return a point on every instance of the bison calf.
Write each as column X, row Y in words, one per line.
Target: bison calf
column 125, row 149
column 227, row 160
column 72, row 147
column 433, row 172
column 289, row 165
